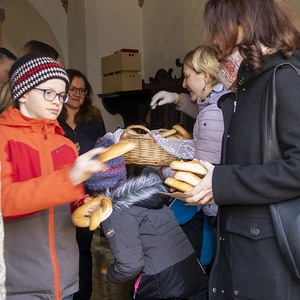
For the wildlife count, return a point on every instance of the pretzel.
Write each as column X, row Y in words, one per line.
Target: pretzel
column 80, row 219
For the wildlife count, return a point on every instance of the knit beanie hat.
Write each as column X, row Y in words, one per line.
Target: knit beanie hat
column 31, row 70
column 111, row 178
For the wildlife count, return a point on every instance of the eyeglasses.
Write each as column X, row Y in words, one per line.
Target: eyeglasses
column 74, row 90
column 50, row 95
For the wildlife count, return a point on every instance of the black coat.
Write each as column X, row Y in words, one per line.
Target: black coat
column 249, row 264
column 85, row 134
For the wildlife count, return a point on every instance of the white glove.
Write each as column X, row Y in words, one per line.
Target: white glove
column 162, row 98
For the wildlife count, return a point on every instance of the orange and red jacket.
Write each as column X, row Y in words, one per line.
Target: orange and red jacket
column 41, row 252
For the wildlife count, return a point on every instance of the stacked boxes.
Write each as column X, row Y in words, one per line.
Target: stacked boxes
column 120, row 71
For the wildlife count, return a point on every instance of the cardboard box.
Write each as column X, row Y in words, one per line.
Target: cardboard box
column 125, row 60
column 122, row 81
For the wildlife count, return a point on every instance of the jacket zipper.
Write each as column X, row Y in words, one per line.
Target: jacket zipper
column 45, row 132
column 137, row 284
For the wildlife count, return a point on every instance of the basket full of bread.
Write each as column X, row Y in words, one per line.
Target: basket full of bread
column 157, row 147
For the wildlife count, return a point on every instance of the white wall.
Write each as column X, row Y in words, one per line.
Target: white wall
column 171, row 29
column 97, row 29
column 32, row 19
column 55, row 15
column 163, row 30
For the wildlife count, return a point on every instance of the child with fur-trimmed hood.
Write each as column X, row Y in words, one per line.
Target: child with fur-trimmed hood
column 148, row 244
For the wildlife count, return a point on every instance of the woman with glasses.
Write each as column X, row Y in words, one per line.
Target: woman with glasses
column 83, row 124
column 40, row 177
column 79, row 118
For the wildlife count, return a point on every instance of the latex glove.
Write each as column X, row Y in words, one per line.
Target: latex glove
column 162, row 98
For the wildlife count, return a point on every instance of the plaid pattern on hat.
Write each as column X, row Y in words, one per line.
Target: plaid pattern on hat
column 30, row 71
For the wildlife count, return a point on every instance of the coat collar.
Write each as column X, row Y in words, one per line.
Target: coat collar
column 246, row 76
column 12, row 117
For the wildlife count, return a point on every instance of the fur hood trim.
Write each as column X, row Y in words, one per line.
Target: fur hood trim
column 139, row 191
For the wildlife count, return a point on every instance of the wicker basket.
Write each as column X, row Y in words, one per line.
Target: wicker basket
column 148, row 152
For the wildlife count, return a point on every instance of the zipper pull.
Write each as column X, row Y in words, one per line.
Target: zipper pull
column 45, row 132
column 234, row 106
column 136, row 285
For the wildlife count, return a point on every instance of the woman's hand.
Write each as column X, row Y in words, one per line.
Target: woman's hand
column 202, row 193
column 85, row 166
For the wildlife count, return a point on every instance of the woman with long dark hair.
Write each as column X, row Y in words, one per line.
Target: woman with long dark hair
column 253, row 37
column 83, row 124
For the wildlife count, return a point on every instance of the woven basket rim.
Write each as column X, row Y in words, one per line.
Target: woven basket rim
column 148, row 152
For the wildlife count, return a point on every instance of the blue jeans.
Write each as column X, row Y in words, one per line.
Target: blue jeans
column 70, row 297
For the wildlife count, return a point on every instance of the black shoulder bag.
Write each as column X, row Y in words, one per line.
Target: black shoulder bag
column 285, row 215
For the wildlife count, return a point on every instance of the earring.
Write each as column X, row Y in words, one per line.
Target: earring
column 204, row 88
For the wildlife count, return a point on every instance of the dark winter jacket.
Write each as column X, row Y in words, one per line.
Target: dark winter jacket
column 85, row 134
column 249, row 264
column 148, row 244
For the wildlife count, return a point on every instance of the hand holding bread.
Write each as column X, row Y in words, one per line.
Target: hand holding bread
column 188, row 174
column 85, row 165
column 92, row 213
column 202, row 193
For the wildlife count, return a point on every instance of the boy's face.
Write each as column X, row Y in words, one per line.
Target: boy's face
column 34, row 105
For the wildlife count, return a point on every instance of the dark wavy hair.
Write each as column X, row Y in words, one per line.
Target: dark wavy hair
column 87, row 111
column 268, row 22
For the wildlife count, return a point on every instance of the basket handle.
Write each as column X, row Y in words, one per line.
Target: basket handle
column 124, row 134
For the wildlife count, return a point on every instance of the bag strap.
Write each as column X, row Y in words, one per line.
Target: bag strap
column 280, row 213
column 270, row 144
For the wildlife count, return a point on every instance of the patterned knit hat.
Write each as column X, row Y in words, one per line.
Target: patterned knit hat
column 31, row 70
column 113, row 177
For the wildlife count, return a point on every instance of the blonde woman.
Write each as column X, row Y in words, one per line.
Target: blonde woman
column 200, row 79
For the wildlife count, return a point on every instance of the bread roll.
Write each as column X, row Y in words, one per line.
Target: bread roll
column 175, row 136
column 187, row 177
column 184, row 133
column 100, row 214
column 168, row 133
column 178, row 185
column 160, row 130
column 116, row 150
column 190, row 166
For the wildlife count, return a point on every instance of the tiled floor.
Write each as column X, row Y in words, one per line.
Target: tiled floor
column 102, row 289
